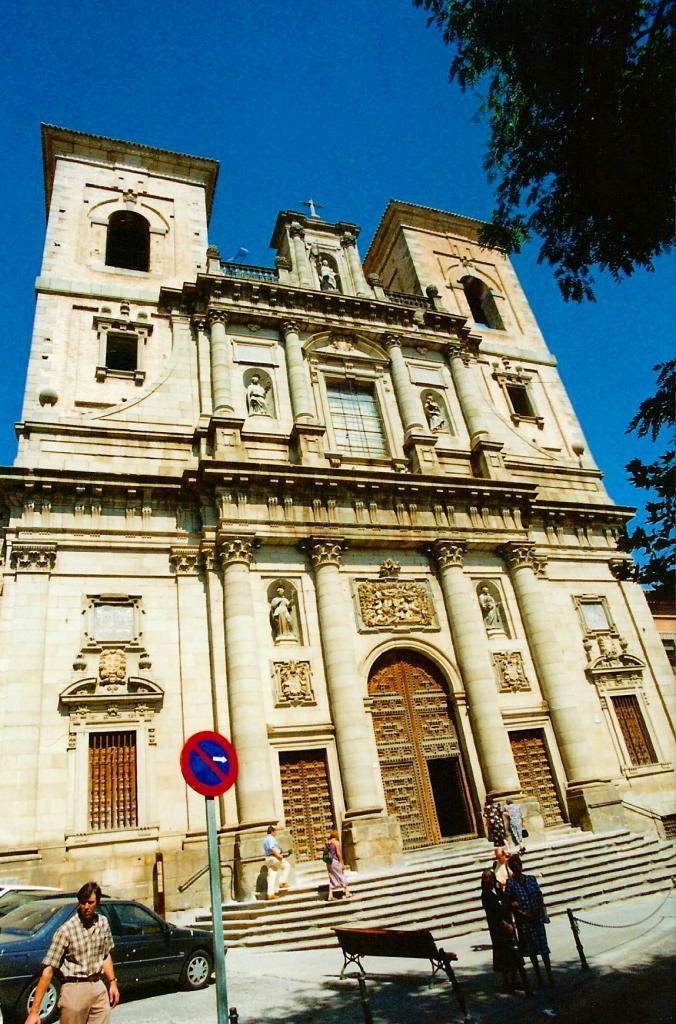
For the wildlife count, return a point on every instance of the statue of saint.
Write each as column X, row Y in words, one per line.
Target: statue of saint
column 256, row 398
column 328, row 278
column 490, row 609
column 434, row 415
column 281, row 615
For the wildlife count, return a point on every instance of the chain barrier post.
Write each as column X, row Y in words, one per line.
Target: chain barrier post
column 576, row 935
column 233, row 1016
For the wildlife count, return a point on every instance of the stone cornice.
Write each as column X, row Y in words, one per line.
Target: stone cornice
column 273, row 302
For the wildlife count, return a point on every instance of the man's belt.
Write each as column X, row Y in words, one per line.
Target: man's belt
column 90, row 977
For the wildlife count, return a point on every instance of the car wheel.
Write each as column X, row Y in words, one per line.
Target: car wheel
column 196, row 970
column 49, row 1009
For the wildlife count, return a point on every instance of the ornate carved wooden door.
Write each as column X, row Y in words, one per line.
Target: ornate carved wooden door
column 307, row 801
column 535, row 773
column 418, row 749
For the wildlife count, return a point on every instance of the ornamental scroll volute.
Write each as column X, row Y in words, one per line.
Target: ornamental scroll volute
column 390, row 603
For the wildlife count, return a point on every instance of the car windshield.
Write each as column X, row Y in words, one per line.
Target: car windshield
column 30, row 917
column 12, row 900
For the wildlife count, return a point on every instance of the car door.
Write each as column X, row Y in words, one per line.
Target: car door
column 143, row 947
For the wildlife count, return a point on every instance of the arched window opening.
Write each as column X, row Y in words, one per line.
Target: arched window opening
column 128, row 241
column 482, row 304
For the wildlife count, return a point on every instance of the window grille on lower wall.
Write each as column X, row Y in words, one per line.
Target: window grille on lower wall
column 112, row 780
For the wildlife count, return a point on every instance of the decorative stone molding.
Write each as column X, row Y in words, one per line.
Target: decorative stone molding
column 293, row 683
column 112, row 668
column 112, row 695
column 217, row 316
column 522, row 555
column 449, row 554
column 185, row 561
column 623, row 568
column 33, row 557
column 236, row 549
column 326, row 552
column 510, row 671
column 393, row 604
column 389, row 569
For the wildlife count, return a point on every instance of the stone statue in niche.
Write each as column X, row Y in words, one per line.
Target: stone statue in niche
column 491, row 610
column 327, row 277
column 281, row 615
column 435, row 417
column 257, row 397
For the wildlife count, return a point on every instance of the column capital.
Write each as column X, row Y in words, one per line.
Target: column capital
column 199, row 321
column 467, row 351
column 348, row 239
column 623, row 568
column 449, row 554
column 522, row 555
column 326, row 551
column 282, row 262
column 216, row 316
column 296, row 229
column 391, row 341
column 185, row 561
column 235, row 549
column 33, row 557
column 291, row 327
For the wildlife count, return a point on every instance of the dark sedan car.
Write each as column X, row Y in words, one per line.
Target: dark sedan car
column 146, row 949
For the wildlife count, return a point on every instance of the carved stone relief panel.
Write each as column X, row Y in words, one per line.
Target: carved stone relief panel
column 510, row 671
column 293, row 683
column 395, row 605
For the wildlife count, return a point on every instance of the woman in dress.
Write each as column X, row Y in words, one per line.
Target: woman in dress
column 336, row 866
column 495, row 822
column 501, row 867
column 507, row 958
column 525, row 898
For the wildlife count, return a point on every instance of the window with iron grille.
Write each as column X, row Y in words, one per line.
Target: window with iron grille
column 355, row 416
column 634, row 732
column 112, row 781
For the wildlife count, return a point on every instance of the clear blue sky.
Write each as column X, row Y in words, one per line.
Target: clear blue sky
column 348, row 102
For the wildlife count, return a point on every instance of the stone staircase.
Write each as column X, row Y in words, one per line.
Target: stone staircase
column 438, row 888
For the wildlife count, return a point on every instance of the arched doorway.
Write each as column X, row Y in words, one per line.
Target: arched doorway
column 420, row 757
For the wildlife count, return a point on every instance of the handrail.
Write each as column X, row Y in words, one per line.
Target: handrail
column 642, row 810
column 202, row 871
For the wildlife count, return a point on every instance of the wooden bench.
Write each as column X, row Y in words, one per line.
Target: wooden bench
column 418, row 944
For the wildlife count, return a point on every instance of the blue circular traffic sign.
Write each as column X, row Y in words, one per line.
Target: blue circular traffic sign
column 209, row 763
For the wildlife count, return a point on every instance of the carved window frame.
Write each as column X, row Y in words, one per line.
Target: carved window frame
column 365, row 376
column 140, row 330
column 83, row 724
column 621, row 688
column 582, row 600
column 518, row 377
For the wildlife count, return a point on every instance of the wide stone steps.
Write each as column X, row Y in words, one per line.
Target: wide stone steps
column 438, row 888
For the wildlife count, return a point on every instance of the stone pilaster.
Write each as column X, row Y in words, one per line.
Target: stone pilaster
column 221, row 363
column 349, row 244
column 367, row 832
column 300, row 255
column 299, row 378
column 247, row 710
column 592, row 802
column 469, row 641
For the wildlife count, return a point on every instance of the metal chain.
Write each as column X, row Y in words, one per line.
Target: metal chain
column 597, row 924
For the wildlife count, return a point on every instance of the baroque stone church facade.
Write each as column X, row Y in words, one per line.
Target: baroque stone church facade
column 341, row 512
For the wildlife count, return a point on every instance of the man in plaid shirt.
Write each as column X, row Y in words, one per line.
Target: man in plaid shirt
column 80, row 952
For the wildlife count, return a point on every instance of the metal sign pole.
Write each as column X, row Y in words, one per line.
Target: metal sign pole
column 217, row 913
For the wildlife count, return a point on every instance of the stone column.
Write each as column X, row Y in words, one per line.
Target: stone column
column 406, row 394
column 299, row 378
column 300, row 255
column 370, row 837
column 485, row 449
column 221, row 363
column 254, row 788
column 349, row 244
column 471, row 648
column 204, row 373
column 592, row 801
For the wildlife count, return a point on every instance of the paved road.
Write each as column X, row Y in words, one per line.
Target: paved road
column 631, row 980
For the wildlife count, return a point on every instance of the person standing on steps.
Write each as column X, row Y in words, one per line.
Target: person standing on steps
column 276, row 863
column 495, row 823
column 80, row 954
column 526, row 900
column 514, row 821
column 333, row 858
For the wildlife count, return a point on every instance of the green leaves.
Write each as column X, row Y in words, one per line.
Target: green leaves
column 580, row 104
